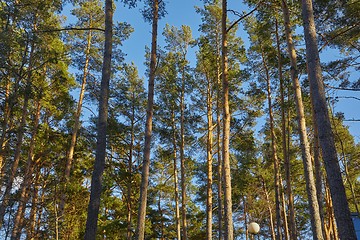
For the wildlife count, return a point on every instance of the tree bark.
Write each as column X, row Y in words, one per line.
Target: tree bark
column 25, row 185
column 291, row 229
column 209, row 154
column 273, row 152
column 305, row 146
column 76, row 126
column 341, row 208
column 99, row 165
column 140, row 229
column 229, row 228
column 176, row 188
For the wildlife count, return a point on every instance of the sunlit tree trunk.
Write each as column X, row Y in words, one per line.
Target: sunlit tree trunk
column 176, row 188
column 341, row 207
column 273, row 152
column 287, row 166
column 76, row 126
column 182, row 156
column 140, row 229
column 305, row 146
column 269, row 204
column 229, row 228
column 209, row 154
column 99, row 165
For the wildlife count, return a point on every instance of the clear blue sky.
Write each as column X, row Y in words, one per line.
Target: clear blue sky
column 182, row 12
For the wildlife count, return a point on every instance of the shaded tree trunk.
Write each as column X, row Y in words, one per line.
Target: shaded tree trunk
column 99, row 165
column 25, row 185
column 140, row 229
column 229, row 228
column 341, row 207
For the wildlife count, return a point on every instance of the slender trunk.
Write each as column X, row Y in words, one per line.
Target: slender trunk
column 4, row 126
column 20, row 136
column 182, row 157
column 218, row 143
column 229, row 228
column 274, row 152
column 25, row 185
column 99, row 165
column 76, row 126
column 140, row 229
column 30, row 231
column 176, row 188
column 271, row 218
column 341, row 207
column 130, row 171
column 209, row 198
column 287, row 166
column 318, row 174
column 305, row 146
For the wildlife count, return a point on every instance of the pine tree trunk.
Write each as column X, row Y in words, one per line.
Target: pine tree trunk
column 4, row 124
column 291, row 222
column 140, row 229
column 30, row 231
column 76, row 126
column 209, row 144
column 218, row 144
column 273, row 152
column 182, row 157
column 271, row 218
column 229, row 228
column 341, row 207
column 305, row 146
column 130, row 171
column 20, row 136
column 99, row 165
column 176, row 188
column 25, row 185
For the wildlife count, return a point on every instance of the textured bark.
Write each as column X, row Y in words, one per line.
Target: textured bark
column 228, row 221
column 290, row 224
column 99, row 165
column 209, row 155
column 305, row 145
column 140, row 229
column 341, row 208
column 273, row 152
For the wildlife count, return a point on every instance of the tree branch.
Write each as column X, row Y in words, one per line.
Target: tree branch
column 72, row 29
column 242, row 17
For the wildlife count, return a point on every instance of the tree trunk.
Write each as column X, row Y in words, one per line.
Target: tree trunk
column 76, row 127
column 305, row 146
column 341, row 208
column 287, row 165
column 130, row 171
column 176, row 188
column 209, row 144
column 99, row 165
column 273, row 152
column 140, row 229
column 20, row 136
column 272, row 228
column 182, row 157
column 30, row 231
column 229, row 228
column 25, row 185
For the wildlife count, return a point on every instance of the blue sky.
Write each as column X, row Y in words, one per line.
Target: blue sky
column 182, row 12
